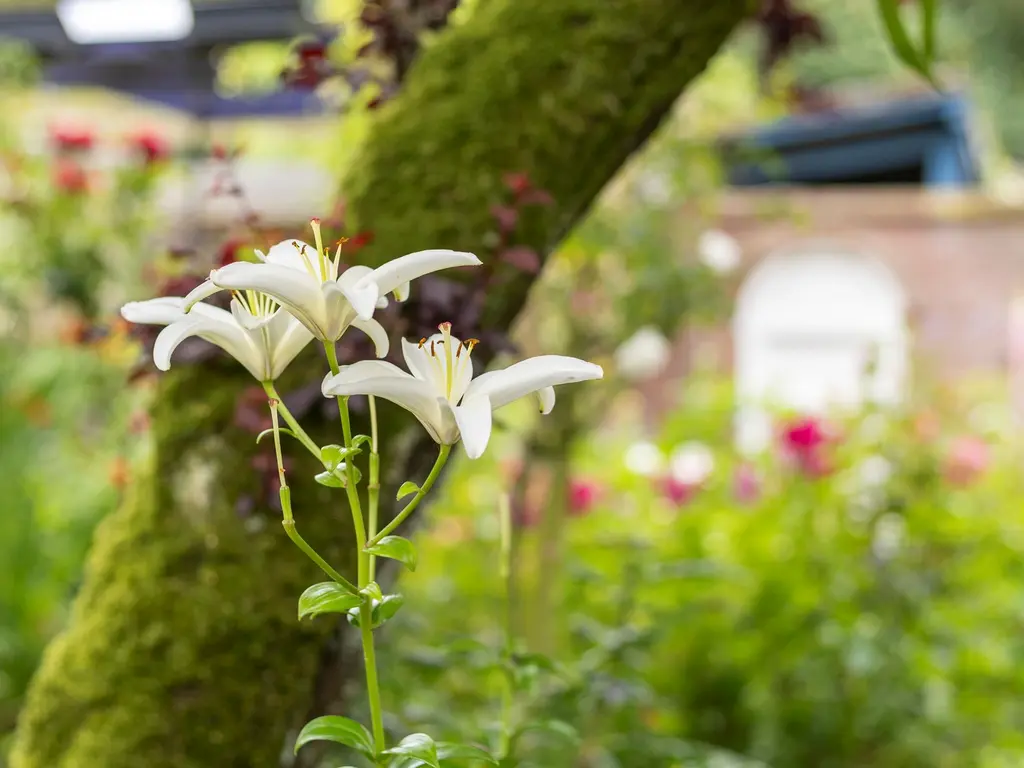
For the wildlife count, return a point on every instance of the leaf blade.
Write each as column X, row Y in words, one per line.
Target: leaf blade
column 396, row 548
column 326, row 597
column 340, row 730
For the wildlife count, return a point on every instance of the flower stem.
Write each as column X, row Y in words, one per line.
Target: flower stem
column 442, row 458
column 366, row 610
column 293, row 425
column 286, row 508
column 505, row 566
column 373, row 489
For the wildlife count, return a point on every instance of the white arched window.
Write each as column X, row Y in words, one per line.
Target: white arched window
column 816, row 329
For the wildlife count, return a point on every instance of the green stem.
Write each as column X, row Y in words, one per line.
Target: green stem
column 293, row 425
column 442, row 458
column 289, row 528
column 505, row 566
column 373, row 489
column 286, row 508
column 366, row 610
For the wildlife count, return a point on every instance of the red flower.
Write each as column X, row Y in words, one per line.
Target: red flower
column 151, row 145
column 70, row 177
column 71, row 139
column 228, row 252
column 359, row 241
column 518, row 183
column 583, row 494
column 967, row 460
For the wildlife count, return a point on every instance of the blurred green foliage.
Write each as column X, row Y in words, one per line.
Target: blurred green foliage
column 835, row 621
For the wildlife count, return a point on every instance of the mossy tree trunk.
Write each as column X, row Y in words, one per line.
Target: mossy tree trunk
column 183, row 650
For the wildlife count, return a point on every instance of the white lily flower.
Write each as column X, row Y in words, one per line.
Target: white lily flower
column 313, row 287
column 257, row 332
column 441, row 392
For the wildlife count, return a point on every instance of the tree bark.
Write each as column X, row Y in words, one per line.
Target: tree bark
column 183, row 649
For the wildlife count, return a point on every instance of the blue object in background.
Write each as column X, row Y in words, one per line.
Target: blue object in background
column 923, row 141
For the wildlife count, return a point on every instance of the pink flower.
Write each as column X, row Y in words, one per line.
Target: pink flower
column 966, row 461
column 679, row 492
column 804, row 442
column 70, row 177
column 804, row 435
column 583, row 495
column 746, row 484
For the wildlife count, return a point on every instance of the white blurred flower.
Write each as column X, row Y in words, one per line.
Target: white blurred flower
column 874, row 471
column 644, row 459
column 643, row 355
column 691, row 463
column 654, row 188
column 888, row 538
column 719, row 251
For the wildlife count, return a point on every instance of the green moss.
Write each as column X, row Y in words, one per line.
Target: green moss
column 183, row 650
column 564, row 91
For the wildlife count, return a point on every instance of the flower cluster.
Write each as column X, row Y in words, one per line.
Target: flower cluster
column 298, row 292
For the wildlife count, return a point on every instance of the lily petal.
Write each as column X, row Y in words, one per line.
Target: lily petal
column 249, row 321
column 546, row 396
column 225, row 335
column 531, row 375
column 204, row 290
column 364, row 369
column 418, row 361
column 298, row 291
column 410, row 393
column 289, row 253
column 401, row 292
column 162, row 311
column 473, row 418
column 287, row 338
column 377, row 334
column 397, row 272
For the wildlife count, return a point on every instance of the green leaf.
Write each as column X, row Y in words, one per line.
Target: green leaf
column 901, row 43
column 447, row 750
column 361, row 440
column 327, row 597
column 396, row 548
column 407, row 487
column 340, row 730
column 332, row 479
column 929, row 14
column 417, row 745
column 282, row 430
column 372, row 591
column 557, row 728
column 333, row 455
column 387, row 608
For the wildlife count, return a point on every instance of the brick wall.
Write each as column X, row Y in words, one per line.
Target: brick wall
column 959, row 258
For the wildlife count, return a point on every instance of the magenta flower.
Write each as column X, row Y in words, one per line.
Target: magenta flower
column 583, row 495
